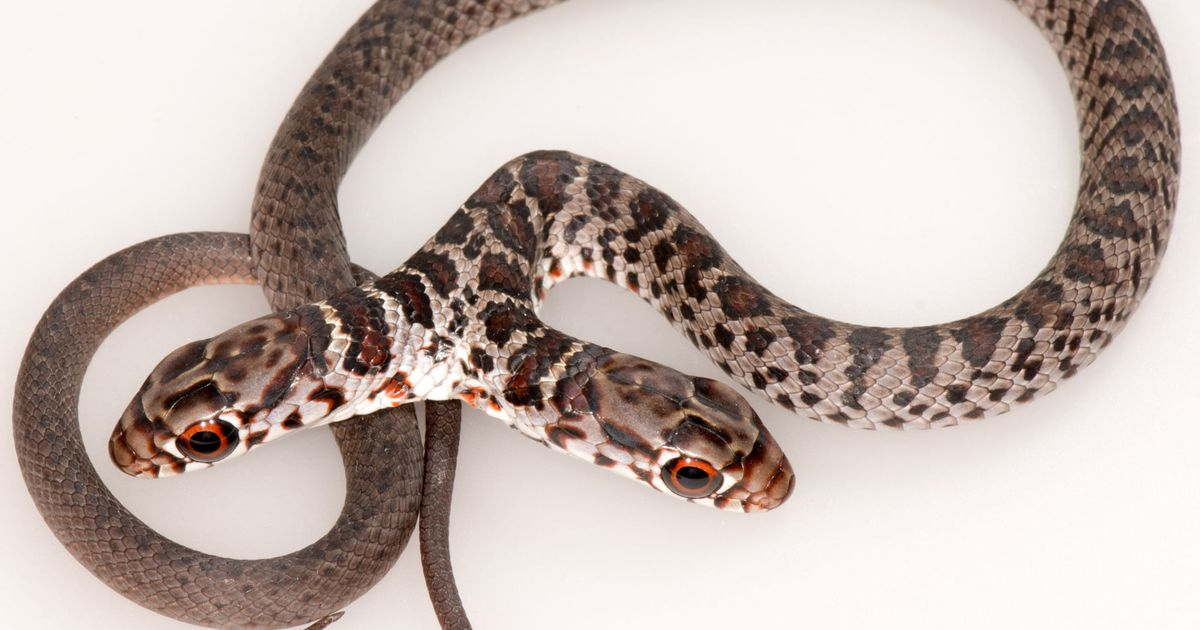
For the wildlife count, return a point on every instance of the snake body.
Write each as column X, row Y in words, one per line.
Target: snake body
column 124, row 552
column 558, row 215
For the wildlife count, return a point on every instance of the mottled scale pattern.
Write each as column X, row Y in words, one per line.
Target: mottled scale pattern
column 550, row 216
column 547, row 216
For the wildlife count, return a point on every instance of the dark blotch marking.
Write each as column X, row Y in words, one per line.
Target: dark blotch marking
column 512, row 226
column 561, row 434
column 500, row 319
column 456, row 230
column 437, row 268
column 651, row 210
column 496, row 273
column 741, row 298
column 867, row 346
column 1086, row 264
column 723, row 336
column 482, row 361
column 1025, row 348
column 292, row 421
column 663, row 252
column 408, row 291
column 329, row 396
column 531, row 363
column 602, row 187
column 979, row 336
column 1031, row 369
column 1117, row 221
column 693, row 284
column 697, row 250
column 921, row 346
column 809, row 334
column 362, row 320
column 1041, row 305
column 545, row 175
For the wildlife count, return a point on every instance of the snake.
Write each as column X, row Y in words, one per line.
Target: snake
column 458, row 321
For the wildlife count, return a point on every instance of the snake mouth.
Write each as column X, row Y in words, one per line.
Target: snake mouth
column 133, row 449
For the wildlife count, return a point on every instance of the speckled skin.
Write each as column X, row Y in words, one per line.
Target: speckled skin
column 382, row 457
column 860, row 376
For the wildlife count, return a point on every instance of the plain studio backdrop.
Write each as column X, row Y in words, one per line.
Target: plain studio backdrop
column 883, row 162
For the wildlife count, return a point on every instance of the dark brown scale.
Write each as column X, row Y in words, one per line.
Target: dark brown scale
column 512, row 226
column 501, row 319
column 696, row 249
column 650, row 211
column 437, row 268
column 1134, row 127
column 693, row 284
column 664, row 254
column 603, row 187
column 362, row 319
column 562, row 434
column 544, row 175
column 867, row 346
column 456, row 230
column 742, row 298
column 530, row 364
column 1040, row 306
column 1087, row 264
column 979, row 336
column 408, row 291
column 496, row 273
column 921, row 345
column 809, row 334
column 758, row 340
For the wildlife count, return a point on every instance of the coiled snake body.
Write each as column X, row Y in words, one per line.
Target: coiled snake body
column 458, row 319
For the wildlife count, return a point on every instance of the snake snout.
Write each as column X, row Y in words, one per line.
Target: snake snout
column 767, row 482
column 133, row 449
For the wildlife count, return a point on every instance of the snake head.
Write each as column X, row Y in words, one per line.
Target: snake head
column 691, row 437
column 213, row 399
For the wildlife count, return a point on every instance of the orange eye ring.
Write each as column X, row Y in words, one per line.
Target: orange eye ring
column 208, row 440
column 691, row 478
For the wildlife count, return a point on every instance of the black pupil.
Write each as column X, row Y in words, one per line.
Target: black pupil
column 204, row 441
column 691, row 477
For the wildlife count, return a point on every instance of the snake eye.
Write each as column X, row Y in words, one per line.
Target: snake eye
column 208, row 440
column 691, row 478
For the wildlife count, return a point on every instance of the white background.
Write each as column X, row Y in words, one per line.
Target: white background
column 883, row 162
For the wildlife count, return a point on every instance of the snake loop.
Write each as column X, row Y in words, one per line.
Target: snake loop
column 458, row 320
